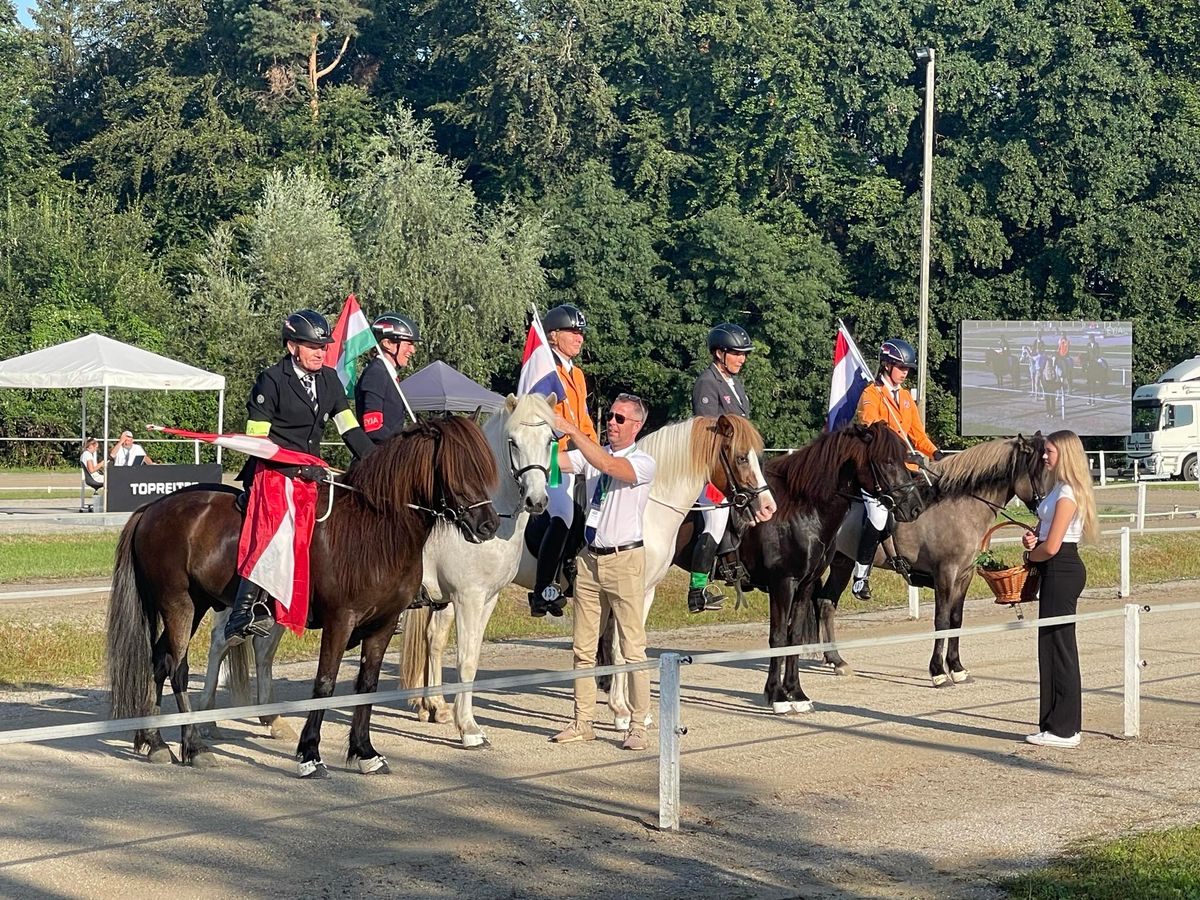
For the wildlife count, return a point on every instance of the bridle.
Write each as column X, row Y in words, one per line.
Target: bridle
column 739, row 496
column 517, row 471
column 442, row 509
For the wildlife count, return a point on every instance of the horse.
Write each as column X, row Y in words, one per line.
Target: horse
column 960, row 505
column 786, row 557
column 725, row 450
column 177, row 559
column 467, row 575
column 1003, row 366
column 1097, row 373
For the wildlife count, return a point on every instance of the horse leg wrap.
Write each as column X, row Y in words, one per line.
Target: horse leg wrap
column 311, row 768
column 376, row 765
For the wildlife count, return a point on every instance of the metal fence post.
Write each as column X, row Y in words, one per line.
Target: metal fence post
column 914, row 602
column 1123, row 589
column 1133, row 670
column 669, row 732
column 1141, row 506
column 1103, row 474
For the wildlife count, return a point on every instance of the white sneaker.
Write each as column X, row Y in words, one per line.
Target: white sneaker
column 1049, row 739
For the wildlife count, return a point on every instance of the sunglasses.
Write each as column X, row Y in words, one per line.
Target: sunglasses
column 620, row 418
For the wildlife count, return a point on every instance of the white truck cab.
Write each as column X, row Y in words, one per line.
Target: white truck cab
column 1165, row 439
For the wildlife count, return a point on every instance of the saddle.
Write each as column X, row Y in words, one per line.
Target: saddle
column 846, row 543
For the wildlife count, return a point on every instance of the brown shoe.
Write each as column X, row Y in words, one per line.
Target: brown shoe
column 635, row 739
column 574, row 733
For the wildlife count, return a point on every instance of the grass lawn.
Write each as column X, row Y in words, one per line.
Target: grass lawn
column 1149, row 866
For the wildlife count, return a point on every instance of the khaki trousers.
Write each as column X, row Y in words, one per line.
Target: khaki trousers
column 617, row 583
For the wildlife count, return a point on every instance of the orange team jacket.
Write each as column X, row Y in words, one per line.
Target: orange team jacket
column 876, row 405
column 574, row 405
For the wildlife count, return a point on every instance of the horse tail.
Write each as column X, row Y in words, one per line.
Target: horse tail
column 132, row 624
column 414, row 653
column 237, row 669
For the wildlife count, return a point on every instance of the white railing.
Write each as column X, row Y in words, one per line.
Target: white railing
column 671, row 729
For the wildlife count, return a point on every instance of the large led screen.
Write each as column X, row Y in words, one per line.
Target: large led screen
column 1019, row 377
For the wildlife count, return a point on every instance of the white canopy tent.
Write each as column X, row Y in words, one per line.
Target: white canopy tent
column 96, row 361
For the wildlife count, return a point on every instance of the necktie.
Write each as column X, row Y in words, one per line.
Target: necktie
column 896, row 396
column 310, row 385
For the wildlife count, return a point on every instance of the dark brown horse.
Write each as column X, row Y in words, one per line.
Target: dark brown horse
column 813, row 488
column 942, row 545
column 176, row 560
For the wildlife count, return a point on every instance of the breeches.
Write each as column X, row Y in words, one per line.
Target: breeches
column 877, row 513
column 562, row 499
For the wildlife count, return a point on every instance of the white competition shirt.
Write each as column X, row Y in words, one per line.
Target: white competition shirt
column 622, row 504
column 89, row 457
column 126, row 455
column 1061, row 491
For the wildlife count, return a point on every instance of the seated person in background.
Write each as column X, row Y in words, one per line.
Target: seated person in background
column 93, row 469
column 125, row 452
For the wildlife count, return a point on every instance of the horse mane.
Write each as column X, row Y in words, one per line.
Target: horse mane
column 982, row 467
column 375, row 519
column 810, row 475
column 685, row 451
column 532, row 406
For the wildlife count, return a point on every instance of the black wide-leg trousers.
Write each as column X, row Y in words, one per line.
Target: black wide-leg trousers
column 1063, row 579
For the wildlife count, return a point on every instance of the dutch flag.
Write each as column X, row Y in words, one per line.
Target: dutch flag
column 539, row 374
column 850, row 377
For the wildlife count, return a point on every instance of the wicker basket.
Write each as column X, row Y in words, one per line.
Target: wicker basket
column 1006, row 584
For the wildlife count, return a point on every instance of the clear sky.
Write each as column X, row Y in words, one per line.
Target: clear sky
column 23, row 11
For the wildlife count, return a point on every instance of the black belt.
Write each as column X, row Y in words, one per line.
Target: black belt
column 605, row 551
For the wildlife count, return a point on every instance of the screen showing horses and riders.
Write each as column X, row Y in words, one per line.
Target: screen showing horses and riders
column 1018, row 377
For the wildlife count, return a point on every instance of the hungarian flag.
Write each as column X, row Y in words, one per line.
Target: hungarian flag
column 274, row 546
column 850, row 378
column 539, row 374
column 352, row 337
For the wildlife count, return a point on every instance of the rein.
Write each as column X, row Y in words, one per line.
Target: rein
column 996, row 507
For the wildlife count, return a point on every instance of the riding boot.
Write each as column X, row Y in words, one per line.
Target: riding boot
column 251, row 616
column 545, row 596
column 704, row 554
column 868, row 543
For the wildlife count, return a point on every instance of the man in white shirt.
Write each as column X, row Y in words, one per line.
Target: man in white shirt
column 612, row 565
column 125, row 452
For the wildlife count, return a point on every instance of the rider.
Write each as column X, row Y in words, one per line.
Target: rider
column 564, row 326
column 289, row 405
column 377, row 396
column 718, row 390
column 887, row 400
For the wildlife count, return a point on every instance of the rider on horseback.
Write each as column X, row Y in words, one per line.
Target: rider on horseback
column 377, row 395
column 718, row 390
column 290, row 404
column 888, row 401
column 564, row 326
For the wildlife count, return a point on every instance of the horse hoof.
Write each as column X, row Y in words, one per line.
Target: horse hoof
column 206, row 759
column 161, row 756
column 844, row 670
column 443, row 715
column 963, row 677
column 941, row 680
column 801, row 706
column 376, row 765
column 212, row 733
column 621, row 723
column 476, row 742
column 312, row 769
column 282, row 731
column 422, row 714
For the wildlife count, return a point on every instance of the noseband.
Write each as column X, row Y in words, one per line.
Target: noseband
column 442, row 508
column 740, row 496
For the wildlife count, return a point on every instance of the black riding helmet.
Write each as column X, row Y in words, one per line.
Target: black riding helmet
column 307, row 326
column 396, row 326
column 564, row 317
column 728, row 336
column 898, row 352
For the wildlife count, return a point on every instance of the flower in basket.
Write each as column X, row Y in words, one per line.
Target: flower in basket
column 993, row 561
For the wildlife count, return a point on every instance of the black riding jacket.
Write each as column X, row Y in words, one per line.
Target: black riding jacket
column 712, row 395
column 380, row 409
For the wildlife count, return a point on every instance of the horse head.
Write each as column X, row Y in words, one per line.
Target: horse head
column 442, row 467
column 530, row 442
column 883, row 473
column 1029, row 470
column 737, row 470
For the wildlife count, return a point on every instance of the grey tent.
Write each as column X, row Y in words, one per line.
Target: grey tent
column 440, row 387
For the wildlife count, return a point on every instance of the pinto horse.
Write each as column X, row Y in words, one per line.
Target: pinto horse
column 967, row 488
column 177, row 559
column 814, row 487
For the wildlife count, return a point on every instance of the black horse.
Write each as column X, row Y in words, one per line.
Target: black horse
column 176, row 560
column 813, row 487
column 941, row 546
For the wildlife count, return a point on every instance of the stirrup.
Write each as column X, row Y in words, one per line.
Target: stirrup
column 732, row 573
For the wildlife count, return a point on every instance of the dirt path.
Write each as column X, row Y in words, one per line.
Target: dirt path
column 889, row 789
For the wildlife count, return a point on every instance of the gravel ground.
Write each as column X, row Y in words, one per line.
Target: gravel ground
column 891, row 788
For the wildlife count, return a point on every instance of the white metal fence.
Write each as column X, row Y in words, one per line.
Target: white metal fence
column 671, row 728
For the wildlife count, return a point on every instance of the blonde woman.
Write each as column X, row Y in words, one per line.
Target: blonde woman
column 1066, row 515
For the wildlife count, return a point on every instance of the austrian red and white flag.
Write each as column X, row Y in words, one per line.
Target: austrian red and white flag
column 274, row 547
column 539, row 374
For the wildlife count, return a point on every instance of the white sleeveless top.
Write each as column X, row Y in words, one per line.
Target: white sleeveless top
column 1061, row 491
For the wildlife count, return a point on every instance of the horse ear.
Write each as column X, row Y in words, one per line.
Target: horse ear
column 477, row 416
column 552, row 399
column 510, row 402
column 724, row 426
